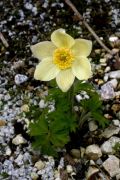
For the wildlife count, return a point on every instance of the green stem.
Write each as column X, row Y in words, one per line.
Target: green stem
column 84, row 117
column 71, row 98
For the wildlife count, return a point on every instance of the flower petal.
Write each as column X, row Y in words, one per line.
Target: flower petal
column 46, row 70
column 61, row 39
column 81, row 68
column 43, row 49
column 82, row 47
column 65, row 79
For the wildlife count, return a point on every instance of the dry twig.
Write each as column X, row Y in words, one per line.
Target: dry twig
column 3, row 40
column 80, row 17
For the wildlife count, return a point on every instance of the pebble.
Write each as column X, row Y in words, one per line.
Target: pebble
column 115, row 107
column 118, row 176
column 91, row 172
column 34, row 176
column 108, row 146
column 19, row 160
column 25, row 108
column 113, row 38
column 18, row 140
column 106, row 77
column 92, row 126
column 113, row 82
column 20, row 78
column 40, row 165
column 114, row 74
column 93, row 152
column 2, row 122
column 116, row 122
column 107, row 91
column 69, row 169
column 42, row 104
column 78, row 98
column 112, row 165
column 8, row 151
column 110, row 131
column 107, row 69
column 75, row 153
column 18, row 64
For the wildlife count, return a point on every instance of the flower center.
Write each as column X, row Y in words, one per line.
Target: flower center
column 63, row 58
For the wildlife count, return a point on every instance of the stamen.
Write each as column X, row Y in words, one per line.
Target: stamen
column 63, row 58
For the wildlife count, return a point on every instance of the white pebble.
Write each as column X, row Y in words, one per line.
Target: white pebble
column 69, row 169
column 18, row 140
column 20, row 78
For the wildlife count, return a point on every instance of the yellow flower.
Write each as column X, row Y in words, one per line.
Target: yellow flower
column 63, row 58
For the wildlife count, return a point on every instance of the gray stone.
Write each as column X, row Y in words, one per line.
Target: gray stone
column 39, row 165
column 42, row 104
column 110, row 131
column 107, row 147
column 75, row 153
column 111, row 165
column 115, row 74
column 91, row 171
column 93, row 152
column 69, row 169
column 18, row 140
column 92, row 126
column 118, row 176
column 113, row 82
column 116, row 122
column 34, row 176
column 20, row 78
column 107, row 91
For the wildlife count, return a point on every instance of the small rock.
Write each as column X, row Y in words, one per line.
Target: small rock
column 118, row 176
column 34, row 176
column 8, row 151
column 113, row 82
column 78, row 98
column 92, row 126
column 116, row 122
column 107, row 69
column 115, row 107
column 18, row 64
column 113, row 38
column 39, row 165
column 82, row 152
column 106, row 77
column 69, row 169
column 92, row 163
column 18, row 140
column 20, row 78
column 114, row 74
column 107, row 91
column 25, row 108
column 91, row 172
column 110, row 131
column 99, row 162
column 42, row 104
column 111, row 165
column 75, row 153
column 103, row 60
column 108, row 146
column 19, row 160
column 93, row 152
column 2, row 122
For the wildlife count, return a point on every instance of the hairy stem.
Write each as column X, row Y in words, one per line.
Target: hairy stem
column 71, row 97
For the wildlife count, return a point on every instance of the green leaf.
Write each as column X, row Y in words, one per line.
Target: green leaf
column 39, row 127
column 102, row 121
column 83, row 86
